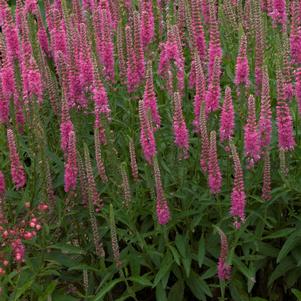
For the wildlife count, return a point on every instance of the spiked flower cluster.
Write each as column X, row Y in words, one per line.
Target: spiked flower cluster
column 252, row 138
column 200, row 87
column 227, row 117
column 179, row 126
column 147, row 138
column 214, row 173
column 149, row 99
column 17, row 170
column 171, row 52
column 163, row 213
column 242, row 65
column 286, row 138
column 238, row 196
column 265, row 119
column 223, row 269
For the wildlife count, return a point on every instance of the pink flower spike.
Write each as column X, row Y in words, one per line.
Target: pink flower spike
column 147, row 138
column 238, row 197
column 2, row 184
column 223, row 269
column 71, row 169
column 251, row 136
column 278, row 13
column 242, row 65
column 66, row 127
column 147, row 22
column 215, row 49
column 298, row 88
column 149, row 99
column 214, row 173
column 286, row 140
column 227, row 122
column 200, row 88
column 295, row 34
column 163, row 213
column 179, row 126
column 214, row 90
column 198, row 31
column 265, row 119
column 17, row 170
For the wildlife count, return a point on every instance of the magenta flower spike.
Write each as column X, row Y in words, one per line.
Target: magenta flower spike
column 204, row 156
column 170, row 52
column 163, row 212
column 4, row 108
column 198, row 31
column 35, row 85
column 298, row 88
column 147, row 138
column 265, row 119
column 10, row 35
column 31, row 6
column 238, row 196
column 266, row 187
column 106, row 49
column 179, row 126
column 17, row 170
column 101, row 101
column 147, row 22
column 286, row 140
column 149, row 98
column 223, row 268
column 200, row 92
column 42, row 37
column 227, row 121
column 215, row 49
column 71, row 169
column 214, row 172
column 2, row 185
column 66, row 127
column 213, row 92
column 8, row 80
column 295, row 33
column 58, row 35
column 138, row 47
column 251, row 135
column 205, row 10
column 85, row 60
column 133, row 78
column 278, row 13
column 242, row 65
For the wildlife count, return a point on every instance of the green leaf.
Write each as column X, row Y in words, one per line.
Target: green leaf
column 297, row 293
column 160, row 293
column 175, row 254
column 176, row 292
column 21, row 290
column 198, row 286
column 49, row 290
column 289, row 245
column 285, row 265
column 82, row 267
column 181, row 243
column 164, row 268
column 106, row 289
column 143, row 280
column 281, row 233
column 69, row 249
column 201, row 252
column 249, row 273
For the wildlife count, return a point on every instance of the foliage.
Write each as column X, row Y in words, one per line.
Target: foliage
column 176, row 261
